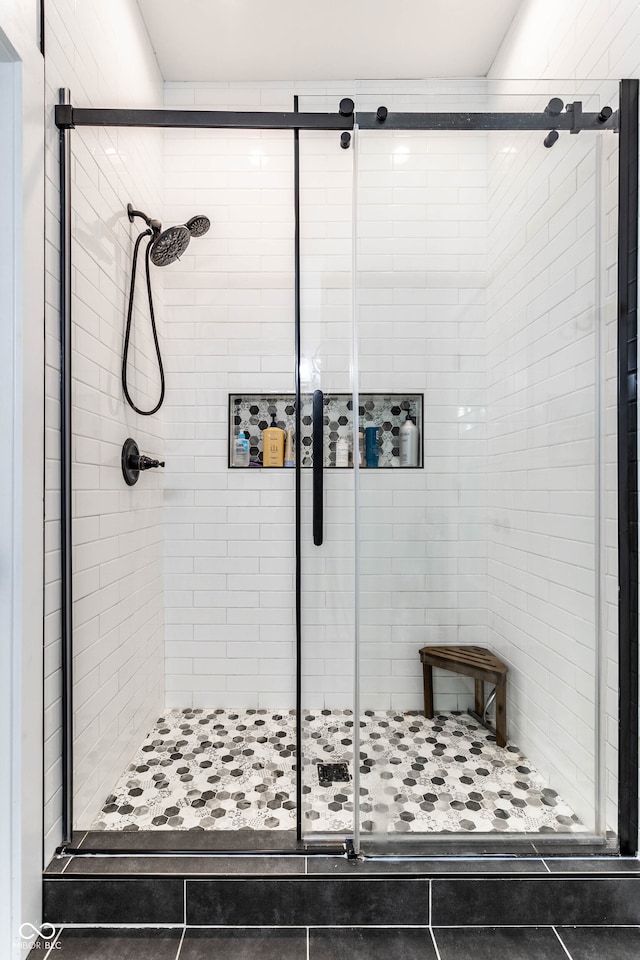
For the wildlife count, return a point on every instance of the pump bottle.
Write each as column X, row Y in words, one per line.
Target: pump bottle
column 273, row 445
column 409, row 435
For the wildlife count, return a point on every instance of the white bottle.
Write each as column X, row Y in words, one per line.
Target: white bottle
column 409, row 443
column 241, row 450
column 342, row 452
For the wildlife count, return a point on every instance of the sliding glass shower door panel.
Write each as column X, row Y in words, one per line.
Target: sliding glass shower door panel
column 185, row 663
column 480, row 264
column 326, row 449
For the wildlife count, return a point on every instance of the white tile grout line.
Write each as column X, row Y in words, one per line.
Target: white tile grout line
column 70, row 926
column 522, row 926
column 184, row 931
column 386, row 878
column 55, row 941
column 435, row 944
column 562, row 943
column 155, row 925
column 339, row 926
column 52, row 945
column 433, row 936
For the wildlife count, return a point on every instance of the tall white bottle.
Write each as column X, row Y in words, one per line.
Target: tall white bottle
column 409, row 438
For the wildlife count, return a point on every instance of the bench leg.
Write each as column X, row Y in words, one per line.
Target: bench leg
column 480, row 697
column 501, row 712
column 427, row 679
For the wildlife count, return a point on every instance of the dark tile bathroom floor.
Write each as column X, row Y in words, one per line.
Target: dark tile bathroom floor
column 344, row 943
column 226, row 770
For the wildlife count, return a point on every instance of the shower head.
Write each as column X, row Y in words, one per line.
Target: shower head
column 171, row 244
column 168, row 246
column 198, row 225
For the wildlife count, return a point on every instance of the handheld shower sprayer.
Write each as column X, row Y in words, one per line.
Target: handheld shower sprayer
column 163, row 248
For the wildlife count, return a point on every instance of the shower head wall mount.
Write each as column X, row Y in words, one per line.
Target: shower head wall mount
column 154, row 225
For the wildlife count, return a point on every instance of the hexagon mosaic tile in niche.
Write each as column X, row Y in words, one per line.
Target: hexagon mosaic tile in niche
column 226, row 769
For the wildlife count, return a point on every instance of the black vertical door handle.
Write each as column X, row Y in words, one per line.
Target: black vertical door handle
column 318, row 474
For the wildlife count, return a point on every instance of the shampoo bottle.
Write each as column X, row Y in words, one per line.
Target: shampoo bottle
column 408, row 443
column 371, row 446
column 241, row 450
column 288, row 450
column 273, row 445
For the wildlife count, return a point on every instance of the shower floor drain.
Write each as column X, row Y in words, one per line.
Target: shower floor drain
column 329, row 773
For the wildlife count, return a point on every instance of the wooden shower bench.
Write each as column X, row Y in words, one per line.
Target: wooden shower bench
column 476, row 662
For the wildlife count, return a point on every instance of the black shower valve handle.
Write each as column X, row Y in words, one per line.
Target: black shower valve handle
column 146, row 463
column 133, row 462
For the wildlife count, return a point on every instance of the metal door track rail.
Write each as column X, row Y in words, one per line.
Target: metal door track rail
column 67, row 117
column 345, row 851
column 574, row 120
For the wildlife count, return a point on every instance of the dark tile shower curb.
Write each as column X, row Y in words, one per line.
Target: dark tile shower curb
column 327, row 900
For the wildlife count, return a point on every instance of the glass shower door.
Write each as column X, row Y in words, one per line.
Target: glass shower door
column 325, row 449
column 480, row 312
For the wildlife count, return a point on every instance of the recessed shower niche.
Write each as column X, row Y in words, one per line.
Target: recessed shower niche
column 252, row 413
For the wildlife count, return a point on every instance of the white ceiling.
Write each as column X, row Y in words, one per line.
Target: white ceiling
column 199, row 40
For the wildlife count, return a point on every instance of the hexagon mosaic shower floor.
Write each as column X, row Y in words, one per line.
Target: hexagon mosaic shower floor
column 235, row 769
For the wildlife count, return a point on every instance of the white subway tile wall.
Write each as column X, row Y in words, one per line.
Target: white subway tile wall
column 542, row 395
column 104, row 57
column 229, row 535
column 422, row 256
column 328, row 585
column 423, row 567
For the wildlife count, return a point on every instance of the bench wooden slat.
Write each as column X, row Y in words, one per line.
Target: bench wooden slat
column 470, row 661
column 472, row 655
